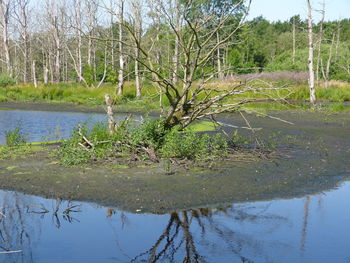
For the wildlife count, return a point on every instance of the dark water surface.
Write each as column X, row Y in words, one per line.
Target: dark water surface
column 311, row 229
column 44, row 125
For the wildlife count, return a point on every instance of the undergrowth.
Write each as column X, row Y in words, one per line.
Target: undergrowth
column 78, row 94
column 16, row 145
column 146, row 141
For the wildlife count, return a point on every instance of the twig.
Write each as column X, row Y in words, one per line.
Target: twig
column 9, row 252
column 269, row 116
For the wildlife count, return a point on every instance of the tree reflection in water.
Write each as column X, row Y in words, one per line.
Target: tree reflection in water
column 195, row 235
column 180, row 237
column 20, row 224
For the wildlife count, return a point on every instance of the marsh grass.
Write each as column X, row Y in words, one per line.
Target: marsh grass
column 16, row 145
column 296, row 93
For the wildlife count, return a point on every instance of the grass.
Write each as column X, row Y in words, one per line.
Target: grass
column 76, row 93
column 7, row 152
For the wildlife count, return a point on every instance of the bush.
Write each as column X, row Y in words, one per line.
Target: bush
column 15, row 138
column 6, row 80
column 131, row 139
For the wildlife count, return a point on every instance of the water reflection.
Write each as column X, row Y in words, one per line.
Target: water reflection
column 296, row 230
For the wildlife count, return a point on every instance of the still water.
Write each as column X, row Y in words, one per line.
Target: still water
column 310, row 229
column 314, row 228
column 44, row 125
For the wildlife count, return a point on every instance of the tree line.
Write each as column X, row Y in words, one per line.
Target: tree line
column 95, row 41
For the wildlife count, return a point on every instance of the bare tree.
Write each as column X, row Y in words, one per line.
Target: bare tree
column 121, row 48
column 294, row 44
column 5, row 14
column 177, row 40
column 198, row 44
column 77, row 24
column 311, row 55
column 21, row 14
column 326, row 70
column 56, row 17
column 35, row 82
column 91, row 9
column 137, row 15
column 320, row 41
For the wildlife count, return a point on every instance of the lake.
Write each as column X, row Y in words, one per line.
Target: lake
column 311, row 228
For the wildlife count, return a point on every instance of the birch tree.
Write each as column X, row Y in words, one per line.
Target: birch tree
column 326, row 68
column 78, row 25
column 5, row 13
column 56, row 18
column 137, row 17
column 121, row 48
column 311, row 55
column 320, row 41
column 21, row 15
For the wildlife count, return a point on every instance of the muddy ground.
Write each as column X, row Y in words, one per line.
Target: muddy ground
column 310, row 156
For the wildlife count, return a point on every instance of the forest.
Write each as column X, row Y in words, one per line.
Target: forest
column 95, row 42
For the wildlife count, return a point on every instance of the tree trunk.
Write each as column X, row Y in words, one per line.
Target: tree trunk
column 320, row 43
column 294, row 44
column 121, row 50
column 311, row 56
column 220, row 72
column 4, row 21
column 330, row 57
column 111, row 121
column 138, row 34
column 35, row 82
column 177, row 42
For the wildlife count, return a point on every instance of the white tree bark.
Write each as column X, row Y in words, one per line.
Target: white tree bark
column 121, row 49
column 311, row 55
column 320, row 41
column 111, row 121
column 325, row 72
column 35, row 82
column 5, row 8
column 137, row 13
column 78, row 35
column 21, row 14
column 177, row 41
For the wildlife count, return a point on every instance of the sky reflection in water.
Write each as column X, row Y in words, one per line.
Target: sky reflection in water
column 309, row 229
column 44, row 125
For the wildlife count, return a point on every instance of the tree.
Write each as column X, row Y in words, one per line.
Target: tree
column 137, row 23
column 5, row 13
column 320, row 40
column 121, row 48
column 311, row 55
column 21, row 15
column 198, row 43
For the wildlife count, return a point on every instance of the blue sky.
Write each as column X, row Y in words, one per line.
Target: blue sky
column 274, row 10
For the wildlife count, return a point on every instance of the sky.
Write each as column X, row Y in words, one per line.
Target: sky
column 275, row 10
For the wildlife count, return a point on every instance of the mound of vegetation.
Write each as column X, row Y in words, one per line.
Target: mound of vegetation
column 149, row 141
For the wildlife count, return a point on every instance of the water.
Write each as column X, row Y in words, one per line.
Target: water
column 45, row 126
column 309, row 229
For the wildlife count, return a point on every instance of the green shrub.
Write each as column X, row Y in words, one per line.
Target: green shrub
column 15, row 138
column 129, row 138
column 149, row 133
column 6, row 80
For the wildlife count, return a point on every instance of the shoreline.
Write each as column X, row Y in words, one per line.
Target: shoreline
column 314, row 159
